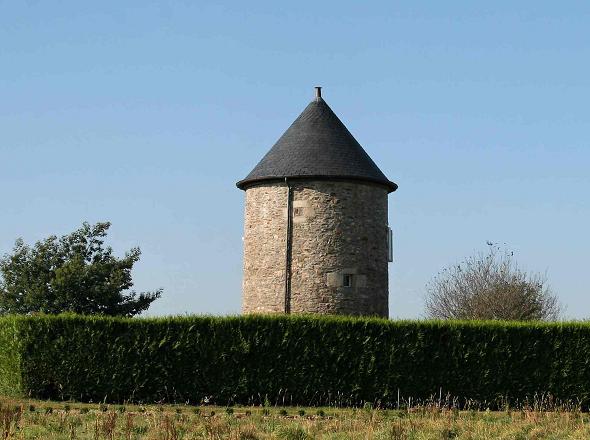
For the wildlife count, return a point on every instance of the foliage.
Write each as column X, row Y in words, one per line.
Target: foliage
column 490, row 286
column 75, row 273
column 10, row 357
column 299, row 360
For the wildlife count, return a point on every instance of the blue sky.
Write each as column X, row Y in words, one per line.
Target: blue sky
column 146, row 114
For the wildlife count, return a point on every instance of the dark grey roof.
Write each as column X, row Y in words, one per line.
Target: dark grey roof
column 317, row 145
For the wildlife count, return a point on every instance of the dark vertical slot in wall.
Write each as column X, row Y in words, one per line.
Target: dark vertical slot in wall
column 288, row 250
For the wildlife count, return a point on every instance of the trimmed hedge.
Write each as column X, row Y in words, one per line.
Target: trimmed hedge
column 301, row 360
column 10, row 362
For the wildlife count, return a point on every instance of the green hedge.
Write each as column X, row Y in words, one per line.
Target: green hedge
column 290, row 360
column 10, row 373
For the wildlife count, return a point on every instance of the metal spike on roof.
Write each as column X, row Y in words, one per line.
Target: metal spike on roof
column 317, row 145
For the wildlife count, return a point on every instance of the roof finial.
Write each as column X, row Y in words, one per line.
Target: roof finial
column 318, row 93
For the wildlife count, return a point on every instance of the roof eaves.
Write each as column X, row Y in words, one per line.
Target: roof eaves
column 246, row 183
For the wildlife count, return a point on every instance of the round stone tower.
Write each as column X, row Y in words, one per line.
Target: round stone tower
column 316, row 238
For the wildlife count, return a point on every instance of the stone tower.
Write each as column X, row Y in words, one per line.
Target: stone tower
column 316, row 234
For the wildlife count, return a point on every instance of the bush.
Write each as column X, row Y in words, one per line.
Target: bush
column 491, row 286
column 10, row 352
column 298, row 360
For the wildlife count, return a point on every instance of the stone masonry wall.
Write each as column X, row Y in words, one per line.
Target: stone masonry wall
column 339, row 238
column 265, row 229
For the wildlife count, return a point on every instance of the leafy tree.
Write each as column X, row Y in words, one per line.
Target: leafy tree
column 490, row 286
column 75, row 273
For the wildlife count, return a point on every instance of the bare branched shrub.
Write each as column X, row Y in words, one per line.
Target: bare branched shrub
column 491, row 286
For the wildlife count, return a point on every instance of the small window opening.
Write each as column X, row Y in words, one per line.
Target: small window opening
column 297, row 212
column 347, row 280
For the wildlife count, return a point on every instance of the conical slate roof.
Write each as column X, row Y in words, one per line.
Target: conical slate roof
column 317, row 145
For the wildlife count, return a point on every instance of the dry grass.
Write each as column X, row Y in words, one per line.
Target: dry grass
column 29, row 419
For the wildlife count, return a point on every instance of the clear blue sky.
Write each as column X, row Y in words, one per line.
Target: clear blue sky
column 146, row 114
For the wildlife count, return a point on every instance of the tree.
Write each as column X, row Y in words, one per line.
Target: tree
column 490, row 286
column 75, row 273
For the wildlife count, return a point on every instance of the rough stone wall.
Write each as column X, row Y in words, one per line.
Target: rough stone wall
column 265, row 229
column 339, row 228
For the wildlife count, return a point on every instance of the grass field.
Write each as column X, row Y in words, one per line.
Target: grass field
column 31, row 419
